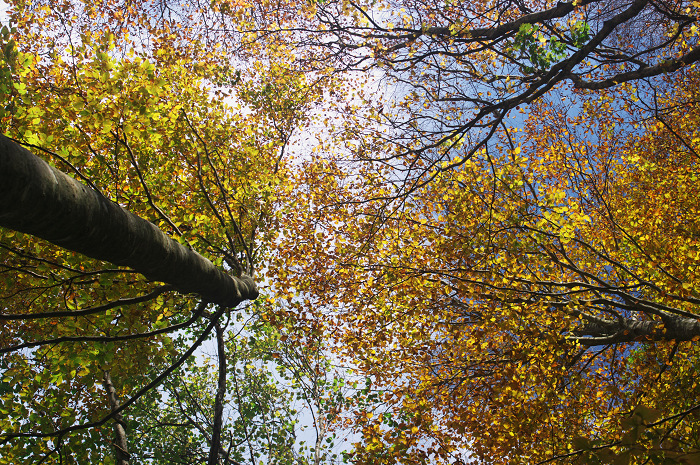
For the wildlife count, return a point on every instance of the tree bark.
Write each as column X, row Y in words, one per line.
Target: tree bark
column 215, row 446
column 121, row 449
column 671, row 328
column 45, row 202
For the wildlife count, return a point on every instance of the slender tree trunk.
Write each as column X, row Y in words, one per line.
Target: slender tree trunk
column 121, row 449
column 40, row 200
column 215, row 445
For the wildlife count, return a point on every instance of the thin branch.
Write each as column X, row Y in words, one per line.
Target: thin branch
column 27, row 345
column 62, row 432
column 88, row 311
column 153, row 205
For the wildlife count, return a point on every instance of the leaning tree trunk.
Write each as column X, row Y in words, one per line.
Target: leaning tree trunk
column 43, row 201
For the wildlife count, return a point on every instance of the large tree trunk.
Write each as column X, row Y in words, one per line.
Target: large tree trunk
column 40, row 200
column 605, row 331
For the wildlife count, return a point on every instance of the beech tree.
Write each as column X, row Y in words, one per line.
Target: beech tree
column 536, row 304
column 496, row 228
column 511, row 234
column 514, row 287
column 167, row 189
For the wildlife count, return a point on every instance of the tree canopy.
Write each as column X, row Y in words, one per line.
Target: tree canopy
column 473, row 225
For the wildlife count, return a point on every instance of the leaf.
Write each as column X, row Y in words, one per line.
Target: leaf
column 581, row 443
column 622, row 459
column 647, row 414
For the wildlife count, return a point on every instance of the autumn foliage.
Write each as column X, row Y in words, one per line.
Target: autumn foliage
column 484, row 214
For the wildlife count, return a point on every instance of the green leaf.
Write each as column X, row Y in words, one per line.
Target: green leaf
column 581, row 443
column 647, row 414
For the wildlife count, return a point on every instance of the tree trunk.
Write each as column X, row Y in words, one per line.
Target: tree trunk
column 121, row 449
column 671, row 328
column 40, row 200
column 215, row 446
